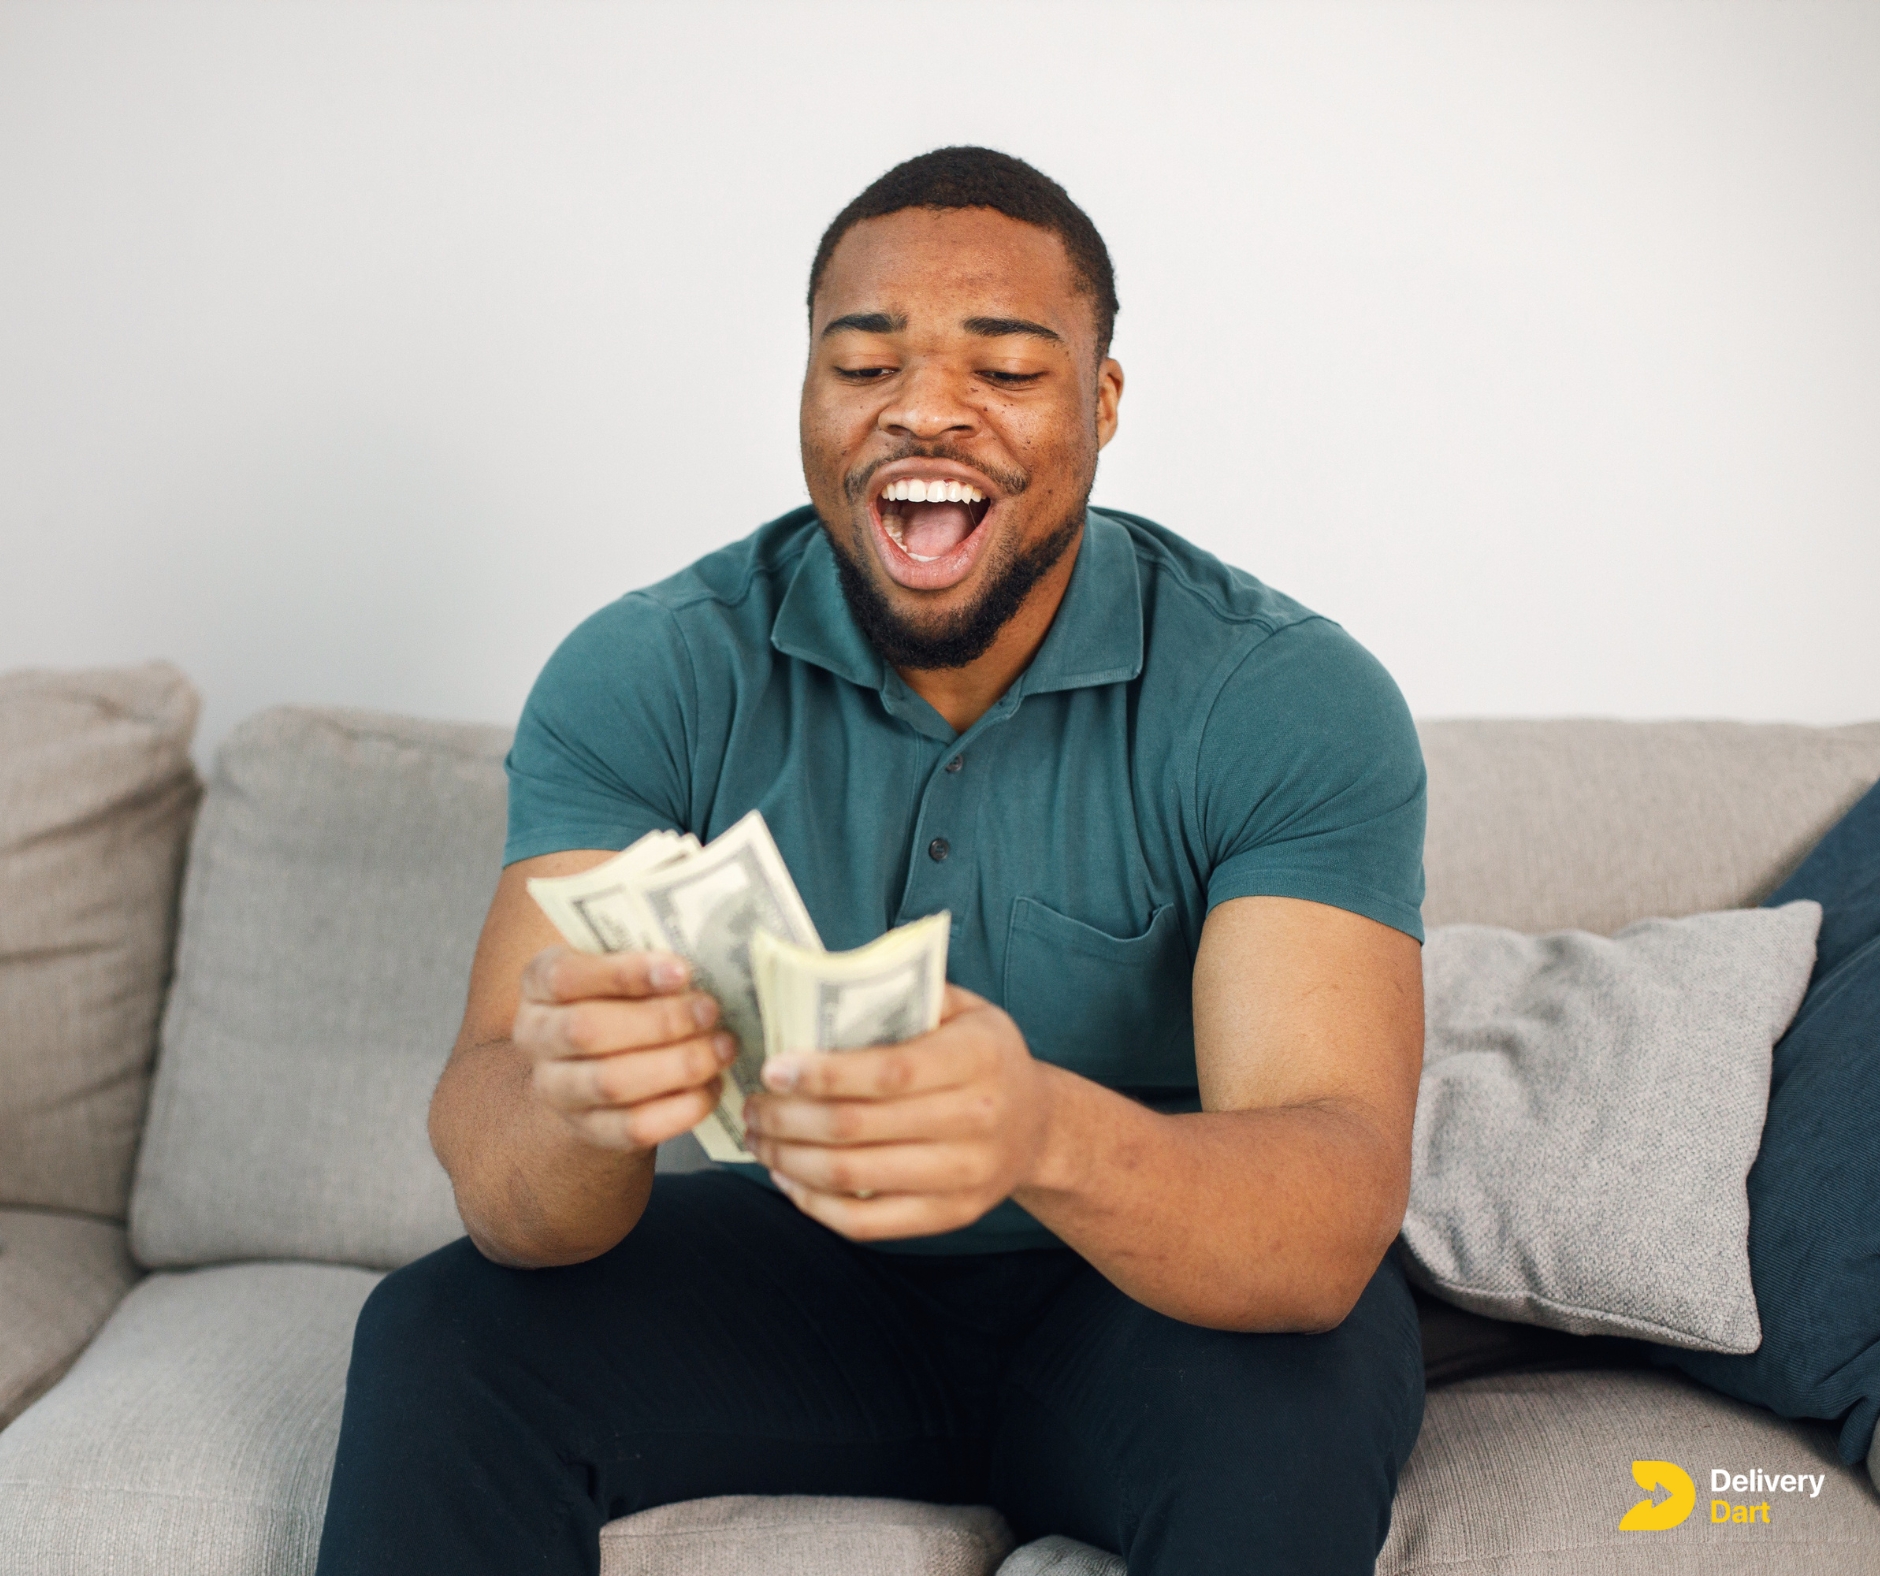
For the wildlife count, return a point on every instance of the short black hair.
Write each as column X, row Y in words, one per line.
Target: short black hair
column 985, row 178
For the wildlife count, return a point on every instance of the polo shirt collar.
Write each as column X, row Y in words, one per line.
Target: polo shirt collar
column 1096, row 637
column 813, row 622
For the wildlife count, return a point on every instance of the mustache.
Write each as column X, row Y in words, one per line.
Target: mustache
column 855, row 484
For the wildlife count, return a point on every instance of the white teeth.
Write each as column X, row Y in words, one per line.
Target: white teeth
column 935, row 491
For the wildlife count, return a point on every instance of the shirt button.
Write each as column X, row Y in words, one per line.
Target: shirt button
column 956, row 763
column 938, row 849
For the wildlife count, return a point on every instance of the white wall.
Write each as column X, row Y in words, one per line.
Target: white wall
column 352, row 352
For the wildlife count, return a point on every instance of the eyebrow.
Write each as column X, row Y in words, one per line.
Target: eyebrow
column 984, row 327
column 867, row 323
column 999, row 327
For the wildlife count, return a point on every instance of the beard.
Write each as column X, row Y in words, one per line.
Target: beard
column 962, row 637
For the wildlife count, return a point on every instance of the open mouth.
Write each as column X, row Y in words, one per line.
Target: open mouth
column 930, row 528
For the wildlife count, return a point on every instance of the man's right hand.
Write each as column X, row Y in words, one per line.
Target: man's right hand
column 620, row 1047
column 568, row 1071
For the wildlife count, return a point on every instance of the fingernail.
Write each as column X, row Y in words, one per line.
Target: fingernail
column 782, row 1073
column 753, row 1118
column 726, row 1047
column 705, row 1010
column 669, row 974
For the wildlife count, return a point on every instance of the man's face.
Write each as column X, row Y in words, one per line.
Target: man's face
column 953, row 408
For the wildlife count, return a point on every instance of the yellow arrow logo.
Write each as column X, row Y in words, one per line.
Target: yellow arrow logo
column 1661, row 1517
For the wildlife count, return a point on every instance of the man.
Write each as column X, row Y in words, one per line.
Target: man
column 1107, row 1249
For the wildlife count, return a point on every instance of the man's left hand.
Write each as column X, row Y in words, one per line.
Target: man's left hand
column 906, row 1140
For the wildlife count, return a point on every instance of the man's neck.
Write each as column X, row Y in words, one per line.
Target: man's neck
column 963, row 695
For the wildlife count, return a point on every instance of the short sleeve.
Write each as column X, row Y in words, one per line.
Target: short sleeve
column 1310, row 781
column 600, row 754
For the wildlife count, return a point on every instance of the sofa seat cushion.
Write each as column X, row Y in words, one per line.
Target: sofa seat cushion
column 1529, row 1474
column 60, row 1277
column 195, row 1438
column 753, row 1535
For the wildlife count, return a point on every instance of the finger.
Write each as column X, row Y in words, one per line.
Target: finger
column 959, row 999
column 942, row 1058
column 972, row 1111
column 653, row 1122
column 881, row 1168
column 875, row 1219
column 582, row 1084
column 562, row 974
column 602, row 1026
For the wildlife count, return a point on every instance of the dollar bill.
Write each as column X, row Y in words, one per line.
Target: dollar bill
column 667, row 893
column 880, row 994
column 591, row 909
column 707, row 907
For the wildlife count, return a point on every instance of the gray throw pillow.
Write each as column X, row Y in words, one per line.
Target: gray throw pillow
column 96, row 798
column 1589, row 1111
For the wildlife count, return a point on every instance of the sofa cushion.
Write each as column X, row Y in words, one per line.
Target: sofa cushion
column 60, row 1277
column 1590, row 825
column 1579, row 1092
column 338, row 880
column 1814, row 1192
column 1529, row 1475
column 96, row 797
column 195, row 1438
column 756, row 1535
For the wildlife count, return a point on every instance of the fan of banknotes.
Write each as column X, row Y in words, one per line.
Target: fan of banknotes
column 731, row 910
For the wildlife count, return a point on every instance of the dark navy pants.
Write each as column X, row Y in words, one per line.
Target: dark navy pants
column 496, row 1418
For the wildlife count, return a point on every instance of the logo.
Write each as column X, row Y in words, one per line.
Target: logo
column 1660, row 1515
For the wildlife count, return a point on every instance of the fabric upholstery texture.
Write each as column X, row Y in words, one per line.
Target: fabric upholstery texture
column 1590, row 825
column 1579, row 1092
column 339, row 878
column 1814, row 1192
column 60, row 1277
column 96, row 798
column 741, row 1535
column 1528, row 1475
column 194, row 1437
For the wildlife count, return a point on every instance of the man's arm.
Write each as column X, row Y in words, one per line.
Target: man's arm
column 568, row 1072
column 1268, row 1210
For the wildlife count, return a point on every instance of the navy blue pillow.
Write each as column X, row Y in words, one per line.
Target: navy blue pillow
column 1814, row 1191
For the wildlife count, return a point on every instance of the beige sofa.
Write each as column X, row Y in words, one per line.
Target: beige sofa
column 179, row 1274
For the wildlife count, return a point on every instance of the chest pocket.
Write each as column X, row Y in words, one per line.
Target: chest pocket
column 1114, row 1008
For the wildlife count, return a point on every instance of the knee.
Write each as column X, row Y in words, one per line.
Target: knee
column 417, row 1314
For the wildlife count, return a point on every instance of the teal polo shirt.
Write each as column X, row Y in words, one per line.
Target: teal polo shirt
column 1184, row 735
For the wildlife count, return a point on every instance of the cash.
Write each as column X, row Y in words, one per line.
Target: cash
column 723, row 907
column 880, row 994
column 666, row 893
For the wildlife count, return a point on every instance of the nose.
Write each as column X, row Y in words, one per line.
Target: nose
column 930, row 404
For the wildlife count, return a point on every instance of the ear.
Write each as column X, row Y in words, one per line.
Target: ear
column 1109, row 396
